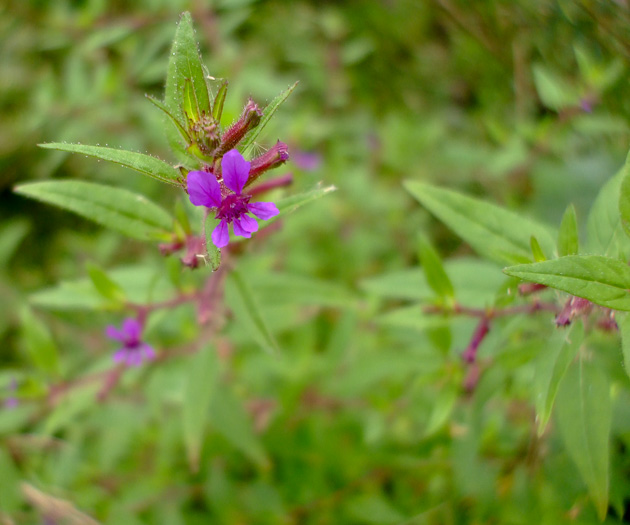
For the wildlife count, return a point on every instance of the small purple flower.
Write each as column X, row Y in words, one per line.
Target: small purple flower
column 205, row 190
column 11, row 401
column 133, row 351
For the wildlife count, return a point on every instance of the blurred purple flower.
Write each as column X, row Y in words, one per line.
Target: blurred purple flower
column 307, row 161
column 204, row 190
column 133, row 351
column 11, row 401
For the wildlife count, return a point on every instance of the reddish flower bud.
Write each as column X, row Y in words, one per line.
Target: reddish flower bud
column 574, row 306
column 249, row 120
column 274, row 157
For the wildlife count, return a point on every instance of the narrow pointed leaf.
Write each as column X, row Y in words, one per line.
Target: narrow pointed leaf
column 201, row 384
column 624, row 328
column 104, row 285
column 38, row 343
column 247, row 311
column 434, row 270
column 584, row 413
column 248, row 142
column 551, row 366
column 219, row 100
column 115, row 208
column 146, row 164
column 180, row 127
column 568, row 243
column 601, row 280
column 536, row 250
column 496, row 233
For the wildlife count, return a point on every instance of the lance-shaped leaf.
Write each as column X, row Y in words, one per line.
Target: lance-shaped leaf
column 624, row 328
column 248, row 142
column 121, row 210
column 434, row 270
column 568, row 243
column 146, row 164
column 501, row 235
column 601, row 280
column 584, row 413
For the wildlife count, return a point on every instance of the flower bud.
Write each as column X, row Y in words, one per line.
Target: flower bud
column 249, row 120
column 274, row 157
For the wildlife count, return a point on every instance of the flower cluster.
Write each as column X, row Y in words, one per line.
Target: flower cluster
column 227, row 197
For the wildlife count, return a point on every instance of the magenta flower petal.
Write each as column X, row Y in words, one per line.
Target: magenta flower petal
column 203, row 189
column 235, row 171
column 148, row 352
column 113, row 333
column 120, row 356
column 240, row 228
column 263, row 210
column 220, row 235
column 132, row 329
column 248, row 223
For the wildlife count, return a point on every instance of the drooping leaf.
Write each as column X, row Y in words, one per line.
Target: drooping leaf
column 501, row 235
column 434, row 270
column 551, row 365
column 200, row 387
column 248, row 142
column 568, row 243
column 241, row 300
column 146, row 164
column 121, row 210
column 601, row 280
column 584, row 413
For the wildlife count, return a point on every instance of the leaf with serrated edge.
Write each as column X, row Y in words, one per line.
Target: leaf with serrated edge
column 146, row 164
column 115, row 208
column 498, row 234
column 584, row 412
column 601, row 280
column 248, row 142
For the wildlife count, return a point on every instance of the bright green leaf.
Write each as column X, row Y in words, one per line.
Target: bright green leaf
column 146, row 164
column 584, row 413
column 434, row 270
column 553, row 91
column 496, row 233
column 568, row 243
column 115, row 208
column 200, row 386
column 536, row 250
column 601, row 280
column 104, row 285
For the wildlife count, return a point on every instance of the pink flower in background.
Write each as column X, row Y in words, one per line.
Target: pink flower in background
column 134, row 351
column 232, row 208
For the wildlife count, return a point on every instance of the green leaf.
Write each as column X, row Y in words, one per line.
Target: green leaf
column 553, row 91
column 185, row 67
column 248, row 142
column 624, row 328
column 605, row 232
column 180, row 127
column 601, row 280
column 584, row 412
column 246, row 311
column 145, row 164
column 434, row 270
column 39, row 343
column 115, row 208
column 624, row 200
column 12, row 233
column 290, row 204
column 200, row 386
column 104, row 285
column 551, row 365
column 501, row 235
column 230, row 419
column 568, row 243
column 10, row 499
column 536, row 250
column 219, row 100
column 443, row 406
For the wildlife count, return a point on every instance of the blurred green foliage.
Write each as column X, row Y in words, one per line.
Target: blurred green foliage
column 360, row 417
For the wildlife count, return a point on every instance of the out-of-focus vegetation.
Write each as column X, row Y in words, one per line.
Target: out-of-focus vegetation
column 362, row 416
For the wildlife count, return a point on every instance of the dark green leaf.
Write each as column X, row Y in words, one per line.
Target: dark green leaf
column 568, row 243
column 494, row 232
column 121, row 210
column 146, row 164
column 584, row 413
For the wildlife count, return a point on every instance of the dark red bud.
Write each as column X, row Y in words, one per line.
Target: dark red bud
column 272, row 158
column 249, row 120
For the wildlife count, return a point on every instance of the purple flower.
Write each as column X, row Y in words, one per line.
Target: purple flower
column 133, row 351
column 234, row 207
column 11, row 401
